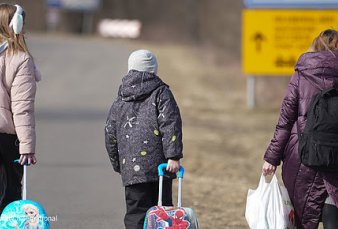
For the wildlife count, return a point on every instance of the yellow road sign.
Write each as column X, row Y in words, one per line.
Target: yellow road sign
column 273, row 40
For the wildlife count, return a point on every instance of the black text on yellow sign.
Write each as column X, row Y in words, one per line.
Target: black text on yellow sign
column 273, row 40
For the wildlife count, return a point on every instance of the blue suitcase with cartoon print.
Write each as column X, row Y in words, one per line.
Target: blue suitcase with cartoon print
column 24, row 214
column 164, row 217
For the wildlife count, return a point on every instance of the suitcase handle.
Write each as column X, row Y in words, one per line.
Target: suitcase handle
column 180, row 174
column 24, row 185
column 163, row 166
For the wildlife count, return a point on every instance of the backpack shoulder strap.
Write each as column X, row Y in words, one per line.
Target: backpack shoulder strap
column 328, row 91
column 311, row 112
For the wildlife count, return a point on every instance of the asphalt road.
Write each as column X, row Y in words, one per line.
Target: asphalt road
column 73, row 179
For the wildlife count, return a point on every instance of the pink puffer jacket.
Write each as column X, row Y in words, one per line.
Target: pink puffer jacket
column 17, row 94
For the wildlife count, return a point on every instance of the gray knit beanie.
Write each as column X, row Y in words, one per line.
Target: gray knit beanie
column 143, row 61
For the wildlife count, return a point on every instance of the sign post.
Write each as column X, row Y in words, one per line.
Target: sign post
column 251, row 91
column 274, row 38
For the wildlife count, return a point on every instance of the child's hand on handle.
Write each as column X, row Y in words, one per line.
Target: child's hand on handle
column 173, row 166
column 268, row 169
column 29, row 158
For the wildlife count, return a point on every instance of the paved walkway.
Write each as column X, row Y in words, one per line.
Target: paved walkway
column 74, row 179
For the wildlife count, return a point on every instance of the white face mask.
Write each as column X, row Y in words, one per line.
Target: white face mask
column 17, row 20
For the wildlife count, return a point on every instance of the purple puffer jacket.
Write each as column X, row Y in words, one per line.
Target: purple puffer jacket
column 307, row 188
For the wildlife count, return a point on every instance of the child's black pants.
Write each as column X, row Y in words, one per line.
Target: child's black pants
column 141, row 197
column 10, row 172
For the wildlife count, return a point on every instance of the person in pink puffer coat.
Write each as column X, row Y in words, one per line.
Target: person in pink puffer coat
column 18, row 76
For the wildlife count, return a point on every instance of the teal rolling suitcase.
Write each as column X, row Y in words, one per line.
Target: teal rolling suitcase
column 24, row 214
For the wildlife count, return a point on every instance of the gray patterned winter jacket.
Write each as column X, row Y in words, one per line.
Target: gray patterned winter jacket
column 143, row 128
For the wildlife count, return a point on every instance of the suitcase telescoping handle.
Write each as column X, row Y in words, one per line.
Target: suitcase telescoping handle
column 180, row 174
column 24, row 182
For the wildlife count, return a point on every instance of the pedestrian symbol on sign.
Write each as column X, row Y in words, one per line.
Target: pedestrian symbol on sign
column 258, row 38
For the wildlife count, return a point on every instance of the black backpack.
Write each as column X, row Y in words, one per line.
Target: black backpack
column 318, row 144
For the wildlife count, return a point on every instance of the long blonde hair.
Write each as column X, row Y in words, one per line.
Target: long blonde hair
column 16, row 42
column 325, row 41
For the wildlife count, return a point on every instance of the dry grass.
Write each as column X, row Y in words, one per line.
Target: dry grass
column 224, row 142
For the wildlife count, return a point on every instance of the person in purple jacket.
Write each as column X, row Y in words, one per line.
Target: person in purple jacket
column 314, row 194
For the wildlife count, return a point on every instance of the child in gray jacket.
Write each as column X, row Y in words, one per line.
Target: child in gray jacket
column 143, row 130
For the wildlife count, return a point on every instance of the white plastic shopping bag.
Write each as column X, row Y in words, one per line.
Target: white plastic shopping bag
column 269, row 206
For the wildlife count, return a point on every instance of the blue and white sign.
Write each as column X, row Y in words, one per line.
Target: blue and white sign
column 81, row 5
column 325, row 4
